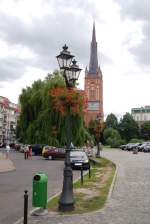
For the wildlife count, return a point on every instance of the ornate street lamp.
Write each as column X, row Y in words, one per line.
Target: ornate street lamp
column 71, row 74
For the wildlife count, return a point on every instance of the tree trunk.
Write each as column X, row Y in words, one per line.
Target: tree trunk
column 98, row 149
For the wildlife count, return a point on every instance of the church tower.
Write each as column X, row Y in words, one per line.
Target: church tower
column 93, row 84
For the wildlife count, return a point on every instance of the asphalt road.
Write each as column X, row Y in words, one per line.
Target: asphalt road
column 13, row 184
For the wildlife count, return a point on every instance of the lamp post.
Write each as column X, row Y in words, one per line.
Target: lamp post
column 71, row 74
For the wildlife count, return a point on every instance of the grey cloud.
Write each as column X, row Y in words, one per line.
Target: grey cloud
column 137, row 10
column 87, row 6
column 103, row 59
column 142, row 53
column 11, row 68
column 46, row 35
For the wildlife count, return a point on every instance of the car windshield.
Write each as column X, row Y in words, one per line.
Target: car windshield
column 78, row 155
column 46, row 147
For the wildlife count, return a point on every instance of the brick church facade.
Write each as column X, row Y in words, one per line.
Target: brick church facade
column 93, row 84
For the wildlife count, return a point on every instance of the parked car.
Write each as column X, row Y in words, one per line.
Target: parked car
column 37, row 149
column 17, row 146
column 123, row 147
column 2, row 145
column 146, row 148
column 12, row 145
column 54, row 153
column 135, row 146
column 46, row 148
column 131, row 146
column 79, row 159
column 141, row 147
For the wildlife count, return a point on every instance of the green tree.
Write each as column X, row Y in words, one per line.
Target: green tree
column 112, row 137
column 111, row 121
column 145, row 130
column 110, row 132
column 96, row 129
column 128, row 127
column 39, row 123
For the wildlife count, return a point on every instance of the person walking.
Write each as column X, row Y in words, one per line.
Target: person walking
column 26, row 152
column 7, row 151
column 30, row 152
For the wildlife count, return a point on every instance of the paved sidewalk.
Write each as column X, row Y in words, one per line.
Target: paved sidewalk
column 130, row 199
column 5, row 164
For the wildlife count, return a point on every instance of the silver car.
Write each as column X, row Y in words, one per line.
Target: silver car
column 79, row 159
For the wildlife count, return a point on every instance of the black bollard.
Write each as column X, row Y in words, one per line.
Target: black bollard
column 89, row 171
column 81, row 174
column 25, row 221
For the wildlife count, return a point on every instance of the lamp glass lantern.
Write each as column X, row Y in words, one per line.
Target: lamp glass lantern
column 73, row 73
column 64, row 58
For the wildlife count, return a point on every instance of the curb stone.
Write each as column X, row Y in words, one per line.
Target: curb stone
column 7, row 166
column 112, row 184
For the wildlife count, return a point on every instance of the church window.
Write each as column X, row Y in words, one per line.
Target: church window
column 97, row 93
column 92, row 93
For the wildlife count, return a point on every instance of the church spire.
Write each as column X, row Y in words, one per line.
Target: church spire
column 94, row 33
column 93, row 66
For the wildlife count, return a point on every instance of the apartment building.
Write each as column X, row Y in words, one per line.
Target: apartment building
column 141, row 114
column 9, row 113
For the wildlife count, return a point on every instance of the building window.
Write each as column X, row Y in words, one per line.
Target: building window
column 92, row 94
column 97, row 93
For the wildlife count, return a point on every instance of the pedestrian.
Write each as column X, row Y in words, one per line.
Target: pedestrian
column 7, row 151
column 30, row 152
column 26, row 152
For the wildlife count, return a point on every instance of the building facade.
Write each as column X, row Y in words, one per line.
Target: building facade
column 141, row 114
column 9, row 113
column 93, row 84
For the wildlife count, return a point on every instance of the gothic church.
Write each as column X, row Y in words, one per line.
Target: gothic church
column 93, row 84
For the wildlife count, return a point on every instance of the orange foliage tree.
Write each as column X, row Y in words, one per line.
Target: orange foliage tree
column 63, row 98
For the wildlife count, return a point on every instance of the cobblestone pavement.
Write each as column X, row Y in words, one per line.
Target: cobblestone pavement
column 130, row 199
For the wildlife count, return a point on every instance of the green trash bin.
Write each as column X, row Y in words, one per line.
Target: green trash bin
column 39, row 192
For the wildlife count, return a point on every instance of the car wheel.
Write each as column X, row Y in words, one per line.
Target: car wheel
column 50, row 157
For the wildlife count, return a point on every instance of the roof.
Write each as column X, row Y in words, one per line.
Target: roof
column 93, row 65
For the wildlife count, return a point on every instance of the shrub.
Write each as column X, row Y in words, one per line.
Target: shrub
column 113, row 142
column 136, row 140
column 123, row 142
column 113, row 138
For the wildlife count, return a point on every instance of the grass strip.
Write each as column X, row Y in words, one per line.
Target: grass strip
column 92, row 195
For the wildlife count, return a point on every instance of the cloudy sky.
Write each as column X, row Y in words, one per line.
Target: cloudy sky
column 32, row 33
